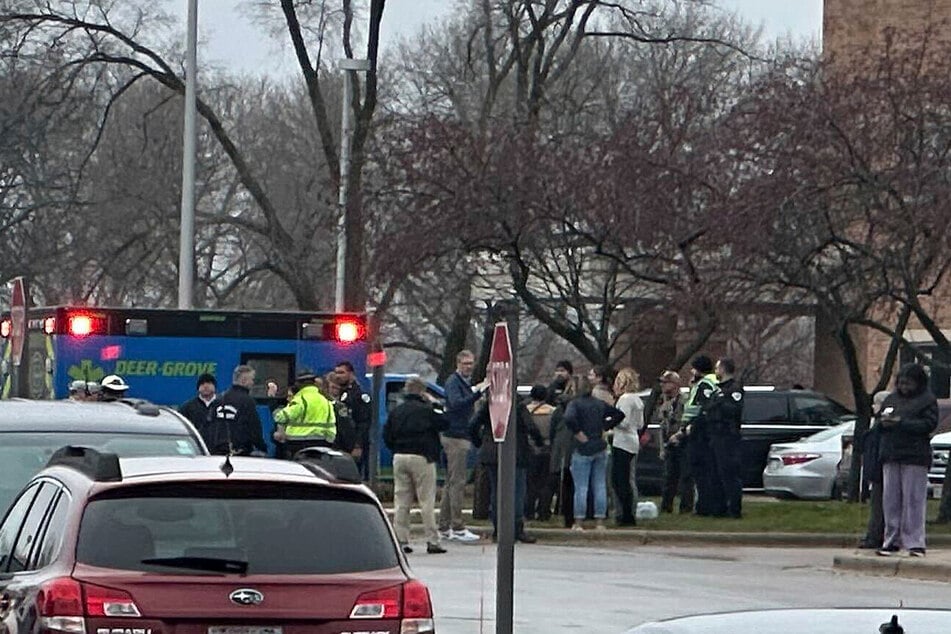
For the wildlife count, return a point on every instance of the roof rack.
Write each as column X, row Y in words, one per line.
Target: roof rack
column 100, row 466
column 330, row 464
column 142, row 406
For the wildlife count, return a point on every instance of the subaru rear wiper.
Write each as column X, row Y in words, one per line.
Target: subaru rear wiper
column 210, row 564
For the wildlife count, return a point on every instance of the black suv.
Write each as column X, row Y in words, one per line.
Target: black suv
column 769, row 416
column 30, row 431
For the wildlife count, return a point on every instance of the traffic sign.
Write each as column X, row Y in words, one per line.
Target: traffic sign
column 499, row 373
column 18, row 320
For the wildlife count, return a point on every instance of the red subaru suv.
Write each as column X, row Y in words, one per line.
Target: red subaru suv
column 95, row 544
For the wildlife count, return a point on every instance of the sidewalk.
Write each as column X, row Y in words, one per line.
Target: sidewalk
column 936, row 566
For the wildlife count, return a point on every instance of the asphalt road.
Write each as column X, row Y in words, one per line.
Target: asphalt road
column 612, row 588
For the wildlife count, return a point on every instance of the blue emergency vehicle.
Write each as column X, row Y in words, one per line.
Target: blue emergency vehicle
column 160, row 353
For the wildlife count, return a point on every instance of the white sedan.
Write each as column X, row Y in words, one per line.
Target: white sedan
column 809, row 468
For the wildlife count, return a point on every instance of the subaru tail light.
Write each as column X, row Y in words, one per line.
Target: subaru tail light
column 790, row 459
column 409, row 602
column 64, row 603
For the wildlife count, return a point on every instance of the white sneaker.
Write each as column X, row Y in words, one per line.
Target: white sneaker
column 465, row 536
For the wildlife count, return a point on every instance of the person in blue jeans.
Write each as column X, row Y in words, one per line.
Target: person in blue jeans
column 589, row 419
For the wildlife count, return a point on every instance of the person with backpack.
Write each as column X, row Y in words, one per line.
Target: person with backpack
column 539, row 490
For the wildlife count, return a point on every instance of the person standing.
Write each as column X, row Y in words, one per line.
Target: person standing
column 602, row 378
column 480, row 432
column 412, row 434
column 589, row 418
column 538, row 490
column 909, row 416
column 461, row 397
column 235, row 428
column 308, row 420
column 359, row 405
column 872, row 474
column 626, row 443
column 561, row 447
column 724, row 416
column 346, row 438
column 113, row 388
column 200, row 410
column 678, row 481
column 701, row 456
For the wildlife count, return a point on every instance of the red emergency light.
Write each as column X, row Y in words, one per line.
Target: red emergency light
column 80, row 325
column 348, row 331
column 6, row 327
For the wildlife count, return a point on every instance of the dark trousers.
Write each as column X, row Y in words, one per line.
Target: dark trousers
column 875, row 531
column 566, row 497
column 481, row 491
column 703, row 466
column 729, row 481
column 291, row 447
column 621, row 480
column 538, row 492
column 678, row 481
column 520, row 476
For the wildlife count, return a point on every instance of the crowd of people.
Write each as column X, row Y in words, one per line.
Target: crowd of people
column 571, row 433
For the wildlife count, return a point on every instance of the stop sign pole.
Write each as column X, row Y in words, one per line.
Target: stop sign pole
column 502, row 413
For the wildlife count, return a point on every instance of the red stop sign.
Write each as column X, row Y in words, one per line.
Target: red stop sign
column 18, row 320
column 499, row 373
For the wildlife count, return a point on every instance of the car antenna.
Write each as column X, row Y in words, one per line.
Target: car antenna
column 892, row 627
column 226, row 467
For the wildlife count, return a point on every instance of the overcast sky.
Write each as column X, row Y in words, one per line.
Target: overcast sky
column 230, row 39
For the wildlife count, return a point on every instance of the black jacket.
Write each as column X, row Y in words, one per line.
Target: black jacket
column 236, row 413
column 198, row 413
column 593, row 417
column 480, row 432
column 723, row 413
column 909, row 442
column 414, row 428
column 359, row 404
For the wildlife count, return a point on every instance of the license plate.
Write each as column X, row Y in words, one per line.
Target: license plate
column 242, row 629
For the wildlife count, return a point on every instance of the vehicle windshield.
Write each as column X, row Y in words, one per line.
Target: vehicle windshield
column 24, row 454
column 220, row 529
column 832, row 432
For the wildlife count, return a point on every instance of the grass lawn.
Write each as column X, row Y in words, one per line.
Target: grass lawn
column 766, row 515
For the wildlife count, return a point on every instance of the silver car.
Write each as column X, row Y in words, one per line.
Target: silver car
column 809, row 468
column 812, row 620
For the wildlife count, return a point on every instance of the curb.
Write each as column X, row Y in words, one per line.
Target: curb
column 904, row 567
column 697, row 538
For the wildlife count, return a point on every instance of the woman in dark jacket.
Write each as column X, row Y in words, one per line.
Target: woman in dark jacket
column 589, row 418
column 909, row 416
column 480, row 432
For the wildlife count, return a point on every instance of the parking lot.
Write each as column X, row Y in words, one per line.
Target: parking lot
column 610, row 589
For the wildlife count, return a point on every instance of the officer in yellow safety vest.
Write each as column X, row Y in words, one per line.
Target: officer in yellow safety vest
column 308, row 420
column 702, row 465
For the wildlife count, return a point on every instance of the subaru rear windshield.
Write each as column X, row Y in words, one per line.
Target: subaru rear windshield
column 24, row 454
column 212, row 528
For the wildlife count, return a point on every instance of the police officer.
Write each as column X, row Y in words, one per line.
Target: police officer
column 700, row 454
column 235, row 427
column 112, row 388
column 358, row 403
column 308, row 420
column 724, row 414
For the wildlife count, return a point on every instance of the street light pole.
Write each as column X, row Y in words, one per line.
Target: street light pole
column 186, row 254
column 348, row 66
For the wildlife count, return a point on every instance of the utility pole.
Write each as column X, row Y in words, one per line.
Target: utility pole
column 348, row 66
column 186, row 252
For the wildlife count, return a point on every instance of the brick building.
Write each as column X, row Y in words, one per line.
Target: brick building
column 853, row 28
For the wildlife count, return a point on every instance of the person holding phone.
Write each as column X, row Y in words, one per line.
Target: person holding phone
column 909, row 416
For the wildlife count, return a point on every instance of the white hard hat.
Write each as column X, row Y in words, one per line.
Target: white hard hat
column 115, row 383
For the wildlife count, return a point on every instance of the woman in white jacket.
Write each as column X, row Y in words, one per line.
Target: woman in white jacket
column 626, row 443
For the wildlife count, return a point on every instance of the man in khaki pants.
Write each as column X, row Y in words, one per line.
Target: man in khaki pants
column 412, row 434
column 461, row 397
